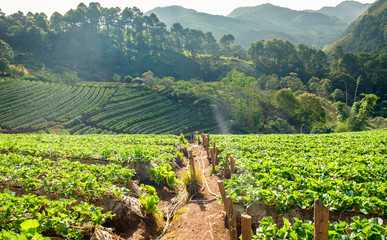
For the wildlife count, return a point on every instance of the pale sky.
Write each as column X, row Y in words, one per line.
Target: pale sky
column 220, row 7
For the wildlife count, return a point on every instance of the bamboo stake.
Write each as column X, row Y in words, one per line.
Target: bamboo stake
column 222, row 192
column 213, row 160
column 192, row 163
column 232, row 165
column 321, row 218
column 208, row 141
column 225, row 174
column 231, row 219
column 246, row 227
column 216, row 154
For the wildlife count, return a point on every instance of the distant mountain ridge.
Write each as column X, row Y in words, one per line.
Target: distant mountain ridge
column 347, row 10
column 266, row 21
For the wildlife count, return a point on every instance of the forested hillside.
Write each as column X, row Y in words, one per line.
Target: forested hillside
column 369, row 32
column 272, row 86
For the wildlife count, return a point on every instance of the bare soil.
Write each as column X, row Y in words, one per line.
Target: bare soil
column 202, row 217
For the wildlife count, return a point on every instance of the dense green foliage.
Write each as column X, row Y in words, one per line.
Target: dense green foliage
column 81, row 187
column 116, row 148
column 64, row 217
column 63, row 177
column 276, row 170
column 359, row 229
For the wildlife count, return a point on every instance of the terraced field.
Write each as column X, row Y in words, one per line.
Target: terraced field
column 108, row 109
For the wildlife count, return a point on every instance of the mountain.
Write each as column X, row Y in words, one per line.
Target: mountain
column 244, row 31
column 248, row 24
column 369, row 32
column 347, row 10
column 315, row 29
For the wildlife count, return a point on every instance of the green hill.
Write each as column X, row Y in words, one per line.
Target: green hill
column 244, row 31
column 266, row 21
column 369, row 32
column 84, row 109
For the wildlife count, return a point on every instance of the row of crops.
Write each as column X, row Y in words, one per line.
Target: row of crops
column 135, row 110
column 71, row 185
column 279, row 177
column 29, row 105
column 26, row 104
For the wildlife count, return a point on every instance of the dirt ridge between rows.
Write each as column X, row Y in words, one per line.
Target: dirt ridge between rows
column 202, row 217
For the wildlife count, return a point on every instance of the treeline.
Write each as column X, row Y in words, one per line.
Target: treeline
column 97, row 42
column 239, row 88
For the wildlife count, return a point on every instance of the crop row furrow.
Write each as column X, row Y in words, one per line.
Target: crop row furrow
column 15, row 95
column 49, row 115
column 73, row 104
column 133, row 100
column 86, row 106
column 117, row 120
column 46, row 102
column 33, row 99
column 177, row 122
column 38, row 112
column 135, row 127
column 19, row 86
column 131, row 106
column 175, row 129
column 163, row 120
column 143, row 114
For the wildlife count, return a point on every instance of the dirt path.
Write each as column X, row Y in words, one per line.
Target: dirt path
column 198, row 219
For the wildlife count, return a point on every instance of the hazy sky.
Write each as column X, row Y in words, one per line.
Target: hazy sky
column 221, row 7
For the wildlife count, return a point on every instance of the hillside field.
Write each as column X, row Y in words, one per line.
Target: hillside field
column 30, row 106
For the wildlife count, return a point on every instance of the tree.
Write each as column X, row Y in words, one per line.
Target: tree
column 292, row 82
column 360, row 111
column 4, row 65
column 311, row 111
column 178, row 35
column 5, row 50
column 286, row 101
column 116, row 78
column 194, row 42
column 341, row 111
column 225, row 42
column 210, row 45
column 128, row 79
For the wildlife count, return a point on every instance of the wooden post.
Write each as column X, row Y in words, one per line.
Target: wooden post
column 321, row 220
column 246, row 227
column 216, row 154
column 231, row 219
column 225, row 174
column 232, row 165
column 213, row 160
column 192, row 163
column 208, row 141
column 203, row 140
column 222, row 191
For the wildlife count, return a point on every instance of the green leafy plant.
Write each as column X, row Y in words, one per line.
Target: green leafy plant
column 164, row 172
column 149, row 199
